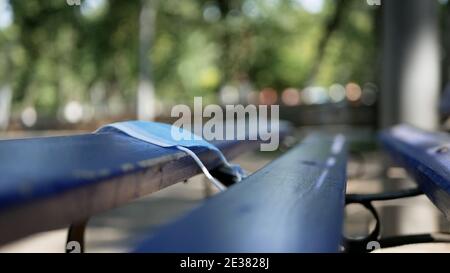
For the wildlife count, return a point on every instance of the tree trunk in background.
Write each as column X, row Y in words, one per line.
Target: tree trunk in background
column 5, row 106
column 411, row 63
column 332, row 25
column 146, row 89
column 225, row 42
column 410, row 87
column 445, row 26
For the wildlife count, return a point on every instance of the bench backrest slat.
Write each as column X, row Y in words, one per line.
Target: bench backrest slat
column 426, row 156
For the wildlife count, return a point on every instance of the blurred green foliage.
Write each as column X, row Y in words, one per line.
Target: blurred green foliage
column 53, row 52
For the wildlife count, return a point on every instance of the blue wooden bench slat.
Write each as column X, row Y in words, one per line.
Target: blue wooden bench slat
column 295, row 204
column 34, row 168
column 51, row 182
column 426, row 156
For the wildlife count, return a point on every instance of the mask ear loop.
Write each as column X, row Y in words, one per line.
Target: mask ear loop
column 211, row 178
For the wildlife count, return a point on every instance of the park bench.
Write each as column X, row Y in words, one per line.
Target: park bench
column 55, row 182
column 294, row 204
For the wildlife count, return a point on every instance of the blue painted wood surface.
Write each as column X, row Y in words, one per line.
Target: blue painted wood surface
column 52, row 182
column 295, row 204
column 426, row 156
column 41, row 167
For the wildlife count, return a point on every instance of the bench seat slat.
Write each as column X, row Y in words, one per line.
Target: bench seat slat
column 51, row 182
column 32, row 168
column 294, row 204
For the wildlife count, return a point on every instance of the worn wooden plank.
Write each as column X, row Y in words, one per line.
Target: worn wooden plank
column 426, row 156
column 295, row 204
column 48, row 183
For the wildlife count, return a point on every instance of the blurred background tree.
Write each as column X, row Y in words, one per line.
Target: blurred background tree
column 63, row 60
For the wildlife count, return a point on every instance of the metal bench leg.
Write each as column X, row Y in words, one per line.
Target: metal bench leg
column 374, row 241
column 75, row 237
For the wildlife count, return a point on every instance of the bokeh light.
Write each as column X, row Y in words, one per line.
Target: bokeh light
column 336, row 92
column 314, row 95
column 312, row 6
column 211, row 13
column 353, row 92
column 73, row 112
column 29, row 116
column 229, row 95
column 92, row 8
column 6, row 14
column 291, row 97
column 369, row 94
column 268, row 96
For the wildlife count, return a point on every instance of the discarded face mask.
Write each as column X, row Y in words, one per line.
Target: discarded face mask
column 161, row 134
